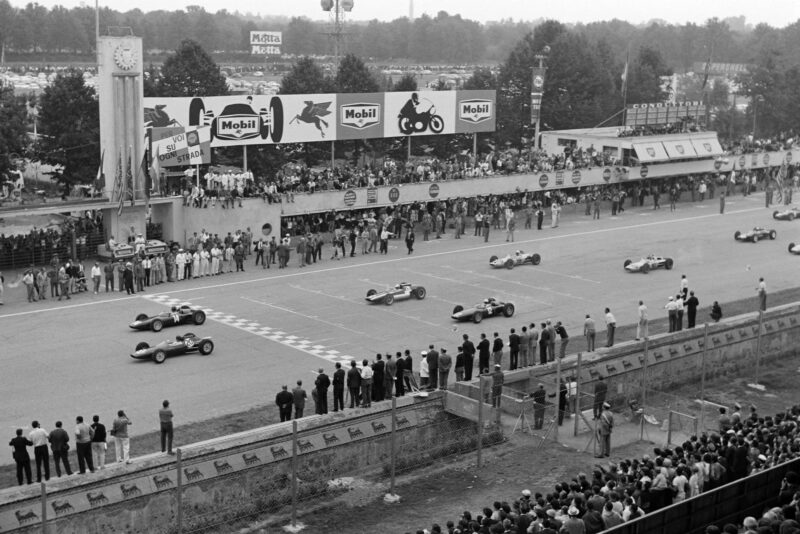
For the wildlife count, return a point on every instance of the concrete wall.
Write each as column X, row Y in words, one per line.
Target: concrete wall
column 235, row 473
column 672, row 359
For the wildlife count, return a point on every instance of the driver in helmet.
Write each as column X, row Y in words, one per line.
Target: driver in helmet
column 175, row 315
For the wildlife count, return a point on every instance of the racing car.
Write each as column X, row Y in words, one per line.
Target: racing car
column 647, row 264
column 239, row 121
column 125, row 251
column 184, row 344
column 786, row 215
column 755, row 235
column 509, row 261
column 400, row 291
column 794, row 248
column 176, row 316
column 490, row 307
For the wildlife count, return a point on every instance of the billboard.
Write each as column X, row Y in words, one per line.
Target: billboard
column 274, row 119
column 266, row 43
column 176, row 147
column 664, row 113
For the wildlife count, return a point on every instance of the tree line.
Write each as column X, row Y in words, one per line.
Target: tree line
column 444, row 38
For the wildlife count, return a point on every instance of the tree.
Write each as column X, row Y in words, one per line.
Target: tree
column 353, row 76
column 13, row 137
column 407, row 83
column 306, row 78
column 482, row 78
column 644, row 77
column 69, row 121
column 8, row 16
column 190, row 71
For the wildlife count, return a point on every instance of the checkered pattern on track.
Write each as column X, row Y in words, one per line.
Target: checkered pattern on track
column 266, row 332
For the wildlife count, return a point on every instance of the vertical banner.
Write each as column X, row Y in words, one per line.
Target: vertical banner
column 537, row 88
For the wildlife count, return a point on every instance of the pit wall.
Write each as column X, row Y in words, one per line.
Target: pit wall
column 672, row 359
column 230, row 474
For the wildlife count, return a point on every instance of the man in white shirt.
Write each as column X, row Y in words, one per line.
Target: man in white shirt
column 96, row 273
column 641, row 326
column 672, row 313
column 39, row 437
column 366, row 384
column 678, row 312
column 684, row 286
column 611, row 326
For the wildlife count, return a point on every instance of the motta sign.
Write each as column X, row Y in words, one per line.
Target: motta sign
column 266, row 38
column 361, row 115
column 475, row 111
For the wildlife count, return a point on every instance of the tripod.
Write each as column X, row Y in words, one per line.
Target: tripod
column 522, row 421
column 548, row 429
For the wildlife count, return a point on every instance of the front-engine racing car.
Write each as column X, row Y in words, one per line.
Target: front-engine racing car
column 490, row 307
column 647, row 264
column 176, row 316
column 794, row 248
column 401, row 291
column 509, row 261
column 756, row 234
column 786, row 215
column 184, row 344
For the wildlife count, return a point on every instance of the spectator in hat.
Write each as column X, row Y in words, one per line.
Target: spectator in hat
column 606, row 426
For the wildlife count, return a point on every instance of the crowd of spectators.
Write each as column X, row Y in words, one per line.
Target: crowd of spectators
column 625, row 490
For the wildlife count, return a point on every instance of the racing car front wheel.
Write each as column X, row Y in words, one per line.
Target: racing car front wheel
column 458, row 309
column 508, row 310
column 159, row 356
column 420, row 293
column 791, row 246
column 371, row 292
column 477, row 317
column 773, row 234
column 142, row 345
column 645, row 268
column 196, row 111
column 509, row 263
column 206, row 347
column 625, row 265
column 668, row 264
column 775, row 215
column 141, row 317
column 536, row 259
column 736, row 234
column 157, row 325
column 492, row 259
column 389, row 299
column 199, row 317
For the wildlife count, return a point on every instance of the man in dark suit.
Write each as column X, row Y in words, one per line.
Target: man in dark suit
column 544, row 341
column 513, row 349
column 433, row 367
column 390, row 372
column 399, row 382
column 468, row 349
column 338, row 388
column 322, row 383
column 483, row 355
column 299, row 397
column 353, row 384
column 284, row 400
column 21, row 456
column 378, row 368
column 691, row 309
column 59, row 444
column 539, row 402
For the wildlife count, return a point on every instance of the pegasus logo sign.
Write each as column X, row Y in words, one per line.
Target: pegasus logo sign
column 475, row 111
column 360, row 116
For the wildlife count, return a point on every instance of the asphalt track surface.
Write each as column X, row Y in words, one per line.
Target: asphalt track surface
column 62, row 359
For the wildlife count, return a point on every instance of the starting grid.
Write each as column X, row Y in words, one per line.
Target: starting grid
column 257, row 329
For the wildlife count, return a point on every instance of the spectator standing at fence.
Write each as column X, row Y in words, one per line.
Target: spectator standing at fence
column 533, row 343
column 524, row 342
column 642, row 325
column 20, row 445
column 691, row 305
column 165, row 416
column 99, row 444
column 551, row 341
column 322, row 383
column 483, row 355
column 611, row 326
column 59, row 444
column 761, row 289
column 338, row 388
column 716, row 312
column 672, row 314
column 366, row 384
column 544, row 341
column 513, row 349
column 299, row 397
column 679, row 312
column 561, row 330
column 600, row 392
column 468, row 349
column 445, row 364
column 38, row 436
column 497, row 349
column 83, row 445
column 122, row 442
column 497, row 385
column 389, row 375
column 433, row 367
column 606, row 427
column 539, row 402
column 353, row 384
column 284, row 401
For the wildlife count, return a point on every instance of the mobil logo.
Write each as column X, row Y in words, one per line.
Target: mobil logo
column 237, row 126
column 360, row 115
column 475, row 110
column 543, row 180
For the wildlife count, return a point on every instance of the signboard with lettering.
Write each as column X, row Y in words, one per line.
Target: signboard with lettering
column 664, row 113
column 191, row 146
column 372, row 195
column 266, row 43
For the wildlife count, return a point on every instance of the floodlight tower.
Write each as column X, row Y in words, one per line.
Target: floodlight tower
column 337, row 10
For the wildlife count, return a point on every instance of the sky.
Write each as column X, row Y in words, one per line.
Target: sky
column 777, row 13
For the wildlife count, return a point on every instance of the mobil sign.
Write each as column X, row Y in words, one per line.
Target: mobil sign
column 359, row 115
column 476, row 111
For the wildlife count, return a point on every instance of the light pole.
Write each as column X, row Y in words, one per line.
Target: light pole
column 756, row 100
column 337, row 9
column 537, row 92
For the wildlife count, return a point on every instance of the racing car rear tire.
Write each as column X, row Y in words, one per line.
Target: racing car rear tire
column 159, row 356
column 477, row 317
column 508, row 310
column 625, row 265
column 668, row 264
column 775, row 215
column 206, row 347
column 773, row 234
column 736, row 234
column 536, row 259
column 791, row 246
column 276, row 119
column 492, row 259
column 142, row 345
column 188, row 334
column 458, row 309
column 371, row 292
column 141, row 317
column 645, row 268
column 157, row 325
column 420, row 293
column 199, row 317
column 196, row 110
column 509, row 264
column 388, row 299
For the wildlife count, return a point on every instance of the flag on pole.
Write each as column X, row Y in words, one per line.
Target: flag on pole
column 100, row 181
column 625, row 77
column 142, row 177
column 155, row 175
column 119, row 185
column 129, row 191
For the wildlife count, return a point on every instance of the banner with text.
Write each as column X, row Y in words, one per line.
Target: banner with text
column 537, row 90
column 274, row 119
column 176, row 147
column 264, row 43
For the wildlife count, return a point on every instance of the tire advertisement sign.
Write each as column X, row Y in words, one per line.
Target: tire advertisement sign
column 273, row 119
